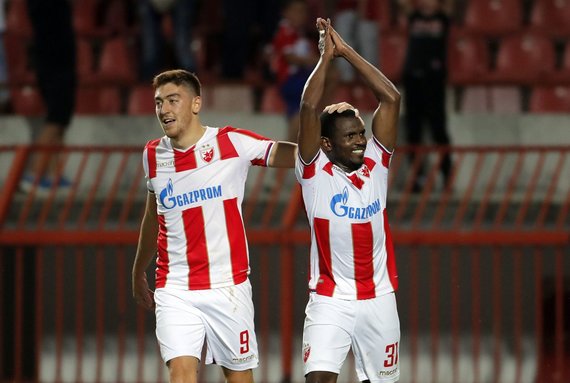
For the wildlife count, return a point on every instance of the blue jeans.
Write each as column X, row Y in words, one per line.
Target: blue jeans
column 153, row 41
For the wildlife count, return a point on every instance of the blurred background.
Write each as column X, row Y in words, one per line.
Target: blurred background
column 480, row 221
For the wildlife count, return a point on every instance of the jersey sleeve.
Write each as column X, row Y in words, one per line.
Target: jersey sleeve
column 251, row 146
column 380, row 153
column 306, row 172
column 146, row 168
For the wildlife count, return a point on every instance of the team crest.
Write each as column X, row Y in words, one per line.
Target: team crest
column 306, row 352
column 207, row 152
column 364, row 171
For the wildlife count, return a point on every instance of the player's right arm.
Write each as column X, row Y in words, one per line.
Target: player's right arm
column 309, row 139
column 146, row 251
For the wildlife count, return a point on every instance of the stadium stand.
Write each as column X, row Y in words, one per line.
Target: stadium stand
column 493, row 17
column 551, row 17
column 507, row 46
column 525, row 59
column 98, row 101
column 468, row 57
column 550, row 99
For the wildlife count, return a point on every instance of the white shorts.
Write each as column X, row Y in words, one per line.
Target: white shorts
column 371, row 327
column 222, row 317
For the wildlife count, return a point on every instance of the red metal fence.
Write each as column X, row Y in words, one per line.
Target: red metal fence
column 484, row 268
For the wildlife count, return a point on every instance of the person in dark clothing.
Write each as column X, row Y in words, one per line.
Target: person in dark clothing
column 424, row 78
column 54, row 54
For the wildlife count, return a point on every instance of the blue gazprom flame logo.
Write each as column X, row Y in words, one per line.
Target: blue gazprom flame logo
column 170, row 200
column 167, row 192
column 340, row 208
column 340, row 199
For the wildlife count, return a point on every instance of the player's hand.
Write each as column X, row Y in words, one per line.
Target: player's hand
column 340, row 46
column 341, row 107
column 326, row 48
column 142, row 294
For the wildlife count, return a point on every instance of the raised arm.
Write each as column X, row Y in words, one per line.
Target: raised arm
column 309, row 138
column 385, row 119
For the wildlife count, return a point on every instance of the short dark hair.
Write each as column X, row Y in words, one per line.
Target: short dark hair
column 328, row 121
column 178, row 77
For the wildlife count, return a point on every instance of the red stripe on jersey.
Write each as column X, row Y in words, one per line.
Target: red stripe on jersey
column 328, row 168
column 385, row 154
column 326, row 283
column 196, row 249
column 390, row 256
column 151, row 157
column 249, row 133
column 309, row 170
column 370, row 163
column 386, row 159
column 265, row 160
column 227, row 149
column 162, row 261
column 185, row 160
column 236, row 235
column 356, row 181
column 362, row 239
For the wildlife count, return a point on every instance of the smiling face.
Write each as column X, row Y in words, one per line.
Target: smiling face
column 176, row 107
column 346, row 144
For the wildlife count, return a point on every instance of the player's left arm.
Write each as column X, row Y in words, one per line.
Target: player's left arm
column 385, row 118
column 283, row 155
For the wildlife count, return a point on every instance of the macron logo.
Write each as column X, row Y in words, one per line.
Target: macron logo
column 170, row 200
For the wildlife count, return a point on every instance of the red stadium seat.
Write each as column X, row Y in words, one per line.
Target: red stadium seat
column 98, row 101
column 85, row 62
column 141, row 101
column 17, row 20
column 85, row 19
column 116, row 64
column 493, row 17
column 271, row 101
column 524, row 59
column 551, row 16
column 19, row 70
column 554, row 99
column 27, row 101
column 468, row 59
column 393, row 45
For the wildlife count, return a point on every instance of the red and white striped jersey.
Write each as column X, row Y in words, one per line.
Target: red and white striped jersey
column 352, row 256
column 199, row 192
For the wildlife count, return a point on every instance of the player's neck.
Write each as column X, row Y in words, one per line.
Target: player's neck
column 189, row 137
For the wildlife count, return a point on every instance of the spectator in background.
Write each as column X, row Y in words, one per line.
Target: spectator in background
column 54, row 52
column 425, row 79
column 151, row 13
column 357, row 22
column 4, row 94
column 248, row 26
column 292, row 59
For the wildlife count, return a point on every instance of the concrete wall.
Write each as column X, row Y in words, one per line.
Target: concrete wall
column 465, row 130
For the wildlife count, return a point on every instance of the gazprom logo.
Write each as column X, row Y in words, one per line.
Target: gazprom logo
column 169, row 200
column 339, row 206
